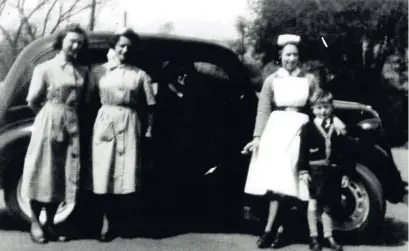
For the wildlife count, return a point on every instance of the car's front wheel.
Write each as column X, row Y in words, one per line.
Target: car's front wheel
column 362, row 205
column 362, row 208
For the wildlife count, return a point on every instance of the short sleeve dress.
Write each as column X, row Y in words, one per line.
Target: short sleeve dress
column 116, row 167
column 280, row 119
column 52, row 163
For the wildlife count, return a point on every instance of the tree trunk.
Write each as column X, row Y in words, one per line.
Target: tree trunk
column 92, row 15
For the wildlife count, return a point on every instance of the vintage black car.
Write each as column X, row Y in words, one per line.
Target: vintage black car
column 222, row 118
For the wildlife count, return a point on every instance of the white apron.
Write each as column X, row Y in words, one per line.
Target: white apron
column 274, row 163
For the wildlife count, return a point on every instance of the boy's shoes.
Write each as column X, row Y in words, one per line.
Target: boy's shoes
column 332, row 244
column 265, row 240
column 315, row 244
column 107, row 237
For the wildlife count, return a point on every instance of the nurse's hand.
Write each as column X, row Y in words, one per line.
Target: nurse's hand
column 339, row 126
column 251, row 146
column 34, row 107
column 305, row 177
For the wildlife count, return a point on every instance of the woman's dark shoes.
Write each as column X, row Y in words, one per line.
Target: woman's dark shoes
column 315, row 244
column 332, row 244
column 107, row 237
column 265, row 240
column 53, row 235
column 279, row 241
column 37, row 234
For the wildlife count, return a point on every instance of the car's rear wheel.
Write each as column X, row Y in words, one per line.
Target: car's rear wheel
column 16, row 197
column 362, row 205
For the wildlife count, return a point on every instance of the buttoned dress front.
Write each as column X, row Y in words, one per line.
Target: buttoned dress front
column 52, row 163
column 116, row 167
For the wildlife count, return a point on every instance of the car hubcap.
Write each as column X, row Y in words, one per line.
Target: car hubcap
column 64, row 210
column 355, row 207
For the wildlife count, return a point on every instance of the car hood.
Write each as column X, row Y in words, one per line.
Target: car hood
column 350, row 105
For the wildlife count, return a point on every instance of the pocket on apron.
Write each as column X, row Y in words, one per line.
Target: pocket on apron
column 105, row 132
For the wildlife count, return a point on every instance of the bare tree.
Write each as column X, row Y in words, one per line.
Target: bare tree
column 2, row 6
column 68, row 9
column 38, row 19
column 166, row 28
column 92, row 15
column 241, row 29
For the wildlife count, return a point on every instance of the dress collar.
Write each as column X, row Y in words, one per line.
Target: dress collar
column 114, row 63
column 284, row 73
column 62, row 60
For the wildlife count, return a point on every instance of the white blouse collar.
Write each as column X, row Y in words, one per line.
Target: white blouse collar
column 62, row 60
column 284, row 73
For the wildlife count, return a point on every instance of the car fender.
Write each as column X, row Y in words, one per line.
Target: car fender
column 13, row 142
column 380, row 162
column 370, row 125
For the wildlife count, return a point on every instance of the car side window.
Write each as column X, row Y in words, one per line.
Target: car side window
column 211, row 69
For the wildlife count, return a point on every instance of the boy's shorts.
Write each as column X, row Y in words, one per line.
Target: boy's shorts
column 325, row 184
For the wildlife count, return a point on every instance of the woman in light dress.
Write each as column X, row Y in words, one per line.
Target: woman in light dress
column 52, row 164
column 277, row 147
column 116, row 168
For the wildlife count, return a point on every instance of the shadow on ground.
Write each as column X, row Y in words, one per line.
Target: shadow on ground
column 393, row 233
column 8, row 223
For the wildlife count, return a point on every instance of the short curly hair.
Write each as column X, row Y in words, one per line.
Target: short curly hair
column 126, row 32
column 322, row 97
column 74, row 27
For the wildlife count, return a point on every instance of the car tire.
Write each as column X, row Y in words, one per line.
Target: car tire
column 364, row 207
column 17, row 200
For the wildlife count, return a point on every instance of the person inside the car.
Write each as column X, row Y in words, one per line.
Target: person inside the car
column 179, row 128
column 52, row 164
column 330, row 165
column 116, row 156
column 277, row 147
column 178, row 78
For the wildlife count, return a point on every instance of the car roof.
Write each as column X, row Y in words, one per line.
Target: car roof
column 154, row 42
column 157, row 45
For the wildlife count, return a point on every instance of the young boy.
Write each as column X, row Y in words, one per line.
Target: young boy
column 329, row 165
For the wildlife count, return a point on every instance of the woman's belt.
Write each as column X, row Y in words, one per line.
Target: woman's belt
column 71, row 104
column 321, row 162
column 128, row 106
column 288, row 108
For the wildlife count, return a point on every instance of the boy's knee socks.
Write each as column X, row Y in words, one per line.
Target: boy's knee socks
column 312, row 222
column 326, row 224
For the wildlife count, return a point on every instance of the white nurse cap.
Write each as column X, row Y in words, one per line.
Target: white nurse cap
column 288, row 39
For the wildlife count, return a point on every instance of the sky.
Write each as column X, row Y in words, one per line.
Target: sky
column 208, row 19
